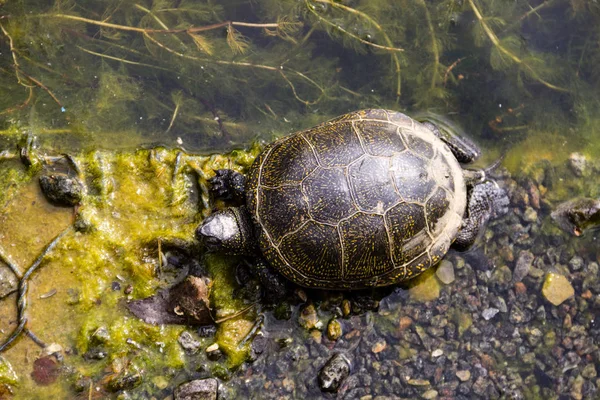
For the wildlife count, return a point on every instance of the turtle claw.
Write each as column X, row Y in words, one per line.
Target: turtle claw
column 228, row 185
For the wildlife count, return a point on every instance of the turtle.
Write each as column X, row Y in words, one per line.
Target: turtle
column 371, row 198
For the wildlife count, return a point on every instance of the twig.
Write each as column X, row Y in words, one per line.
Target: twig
column 450, row 68
column 123, row 60
column 244, row 64
column 23, row 289
column 379, row 28
column 148, row 30
column 41, row 85
column 494, row 39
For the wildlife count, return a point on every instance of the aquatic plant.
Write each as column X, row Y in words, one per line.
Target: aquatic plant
column 213, row 74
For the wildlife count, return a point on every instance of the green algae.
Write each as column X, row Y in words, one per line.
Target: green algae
column 128, row 208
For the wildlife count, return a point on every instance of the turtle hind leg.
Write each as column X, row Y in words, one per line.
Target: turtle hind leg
column 486, row 200
column 228, row 185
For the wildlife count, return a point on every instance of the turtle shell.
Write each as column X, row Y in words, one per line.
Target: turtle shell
column 370, row 198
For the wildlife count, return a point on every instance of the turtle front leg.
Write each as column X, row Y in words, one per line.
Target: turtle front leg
column 485, row 200
column 275, row 286
column 228, row 185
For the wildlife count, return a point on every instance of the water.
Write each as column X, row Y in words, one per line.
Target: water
column 106, row 81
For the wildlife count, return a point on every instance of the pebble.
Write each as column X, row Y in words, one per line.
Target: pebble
column 463, row 375
column 576, row 263
column 425, row 287
column 578, row 163
column 418, row 382
column 8, row 281
column 445, row 272
column 333, row 373
column 489, row 313
column 213, row 352
column 188, row 343
column 405, row 322
column 334, row 329
column 530, row 215
column 308, row 317
column 523, row 265
column 379, row 346
column 200, row 389
column 557, row 288
column 430, row 394
column 437, row 352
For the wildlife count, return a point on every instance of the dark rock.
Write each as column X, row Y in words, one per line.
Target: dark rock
column 8, row 281
column 523, row 265
column 200, row 389
column 188, row 343
column 61, row 190
column 334, row 372
column 124, row 382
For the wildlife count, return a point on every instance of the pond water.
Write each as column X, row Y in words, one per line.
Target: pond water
column 142, row 101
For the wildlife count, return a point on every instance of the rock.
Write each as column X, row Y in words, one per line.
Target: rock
column 8, row 281
column 334, row 329
column 489, row 313
column 200, row 389
column 379, row 346
column 530, row 215
column 437, row 353
column 575, row 216
column 45, row 370
column 523, row 265
column 187, row 303
column 576, row 263
column 333, row 373
column 424, row 287
column 578, row 163
column 464, row 375
column 519, row 316
column 557, row 288
column 430, row 394
column 188, row 343
column 445, row 272
column 589, row 371
column 124, row 381
column 61, row 190
column 405, row 322
column 213, row 352
column 308, row 317
column 418, row 382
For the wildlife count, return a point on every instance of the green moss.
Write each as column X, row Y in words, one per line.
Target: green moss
column 7, row 374
column 230, row 333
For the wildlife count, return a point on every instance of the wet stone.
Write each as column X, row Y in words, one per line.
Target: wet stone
column 445, row 272
column 557, row 289
column 334, row 329
column 578, row 163
column 523, row 265
column 8, row 281
column 200, row 389
column 61, row 190
column 576, row 263
column 188, row 343
column 518, row 315
column 464, row 375
column 489, row 313
column 530, row 215
column 333, row 373
column 213, row 352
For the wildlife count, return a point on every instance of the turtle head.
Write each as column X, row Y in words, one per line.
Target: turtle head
column 228, row 232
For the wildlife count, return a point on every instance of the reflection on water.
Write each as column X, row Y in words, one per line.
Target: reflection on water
column 516, row 316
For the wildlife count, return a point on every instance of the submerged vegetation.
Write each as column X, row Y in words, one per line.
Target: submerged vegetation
column 208, row 75
column 106, row 80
